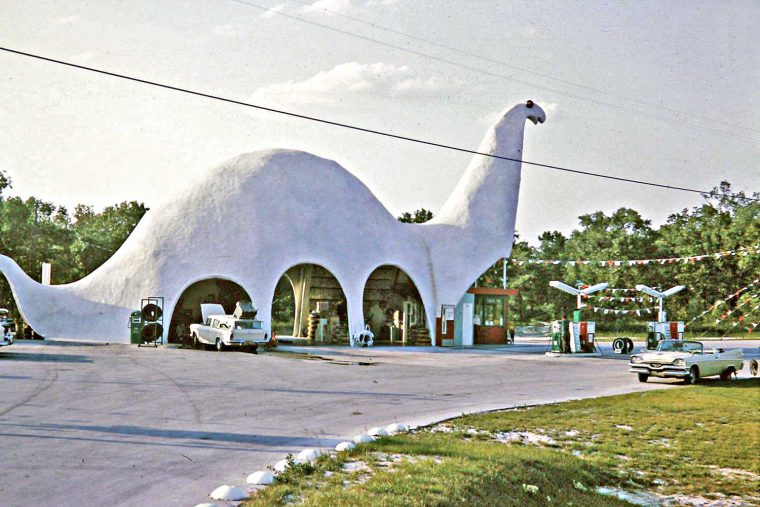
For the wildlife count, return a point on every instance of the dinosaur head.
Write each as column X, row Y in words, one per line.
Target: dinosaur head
column 534, row 113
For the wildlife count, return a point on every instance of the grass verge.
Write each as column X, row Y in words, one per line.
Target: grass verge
column 683, row 445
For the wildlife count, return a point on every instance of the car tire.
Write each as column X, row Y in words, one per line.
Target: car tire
column 618, row 345
column 628, row 345
column 728, row 373
column 753, row 367
column 219, row 345
column 643, row 377
column 693, row 377
column 196, row 342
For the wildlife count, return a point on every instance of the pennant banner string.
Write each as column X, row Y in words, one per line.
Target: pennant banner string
column 743, row 251
column 725, row 300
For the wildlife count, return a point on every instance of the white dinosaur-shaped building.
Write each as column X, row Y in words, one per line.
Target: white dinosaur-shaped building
column 259, row 214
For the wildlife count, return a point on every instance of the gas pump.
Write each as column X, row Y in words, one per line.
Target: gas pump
column 662, row 329
column 578, row 335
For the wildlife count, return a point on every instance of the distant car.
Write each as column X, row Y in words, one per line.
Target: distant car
column 686, row 360
column 239, row 330
column 8, row 328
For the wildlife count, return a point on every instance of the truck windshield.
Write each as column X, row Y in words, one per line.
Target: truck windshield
column 248, row 324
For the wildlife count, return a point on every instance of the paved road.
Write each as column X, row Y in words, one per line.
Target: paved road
column 117, row 425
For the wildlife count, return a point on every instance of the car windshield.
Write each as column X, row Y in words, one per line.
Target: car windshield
column 679, row 346
column 248, row 324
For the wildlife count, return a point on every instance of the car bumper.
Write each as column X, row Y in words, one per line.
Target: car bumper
column 243, row 343
column 666, row 370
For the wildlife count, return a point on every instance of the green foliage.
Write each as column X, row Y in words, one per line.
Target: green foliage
column 33, row 231
column 99, row 235
column 719, row 224
column 416, row 217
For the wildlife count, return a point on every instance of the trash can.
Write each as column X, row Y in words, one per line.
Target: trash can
column 135, row 327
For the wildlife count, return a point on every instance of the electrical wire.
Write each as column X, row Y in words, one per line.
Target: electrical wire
column 372, row 131
column 497, row 75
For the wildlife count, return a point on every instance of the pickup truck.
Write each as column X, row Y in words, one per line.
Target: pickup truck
column 239, row 330
column 686, row 360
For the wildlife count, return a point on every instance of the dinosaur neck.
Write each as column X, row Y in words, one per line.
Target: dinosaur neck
column 485, row 199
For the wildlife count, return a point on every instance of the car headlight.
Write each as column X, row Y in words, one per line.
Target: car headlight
column 636, row 359
column 679, row 362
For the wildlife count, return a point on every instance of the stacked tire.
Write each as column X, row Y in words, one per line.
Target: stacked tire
column 152, row 329
column 622, row 345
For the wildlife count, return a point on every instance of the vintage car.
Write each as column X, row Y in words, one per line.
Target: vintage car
column 8, row 328
column 239, row 330
column 686, row 360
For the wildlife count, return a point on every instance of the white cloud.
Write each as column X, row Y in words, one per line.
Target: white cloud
column 342, row 6
column 273, row 10
column 67, row 20
column 226, row 31
column 353, row 77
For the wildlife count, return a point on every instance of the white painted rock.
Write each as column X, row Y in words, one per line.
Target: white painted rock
column 345, row 446
column 230, row 493
column 309, row 455
column 363, row 439
column 281, row 465
column 394, row 428
column 377, row 431
column 263, row 477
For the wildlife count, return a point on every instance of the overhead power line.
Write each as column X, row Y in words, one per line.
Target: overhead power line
column 370, row 131
column 511, row 66
column 491, row 73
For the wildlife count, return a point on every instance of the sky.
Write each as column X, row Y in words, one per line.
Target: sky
column 660, row 91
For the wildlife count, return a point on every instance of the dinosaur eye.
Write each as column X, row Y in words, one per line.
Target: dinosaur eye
column 529, row 104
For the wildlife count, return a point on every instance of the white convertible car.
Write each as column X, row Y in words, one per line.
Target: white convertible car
column 686, row 360
column 239, row 330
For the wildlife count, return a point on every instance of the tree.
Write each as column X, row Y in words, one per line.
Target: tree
column 720, row 224
column 33, row 231
column 99, row 235
column 417, row 217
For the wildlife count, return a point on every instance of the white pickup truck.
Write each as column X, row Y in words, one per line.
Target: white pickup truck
column 239, row 330
column 686, row 360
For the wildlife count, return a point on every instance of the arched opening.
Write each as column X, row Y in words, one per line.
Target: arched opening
column 393, row 308
column 188, row 308
column 309, row 303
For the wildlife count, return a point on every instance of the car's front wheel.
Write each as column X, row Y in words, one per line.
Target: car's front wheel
column 643, row 377
column 196, row 341
column 693, row 377
column 219, row 344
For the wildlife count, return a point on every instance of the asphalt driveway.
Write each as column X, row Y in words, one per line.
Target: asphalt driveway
column 117, row 425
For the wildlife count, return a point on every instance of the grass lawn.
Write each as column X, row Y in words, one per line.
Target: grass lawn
column 693, row 441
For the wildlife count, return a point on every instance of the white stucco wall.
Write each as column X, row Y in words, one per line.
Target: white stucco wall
column 254, row 217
